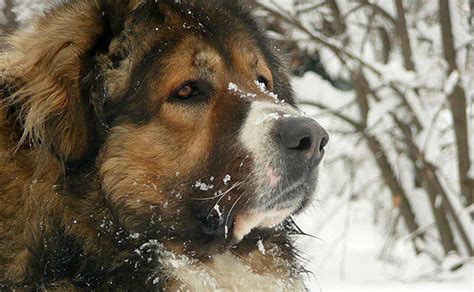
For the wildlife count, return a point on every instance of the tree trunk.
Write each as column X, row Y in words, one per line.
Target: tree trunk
column 433, row 187
column 457, row 102
column 362, row 88
column 391, row 181
column 339, row 25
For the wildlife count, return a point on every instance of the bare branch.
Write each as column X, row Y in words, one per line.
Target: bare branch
column 404, row 38
column 434, row 188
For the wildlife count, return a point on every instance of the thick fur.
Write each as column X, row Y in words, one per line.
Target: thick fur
column 105, row 179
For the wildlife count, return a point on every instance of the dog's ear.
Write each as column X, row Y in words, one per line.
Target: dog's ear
column 47, row 62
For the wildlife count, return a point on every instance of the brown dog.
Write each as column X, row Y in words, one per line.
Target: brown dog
column 150, row 145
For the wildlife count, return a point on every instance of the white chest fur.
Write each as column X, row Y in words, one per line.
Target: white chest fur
column 226, row 272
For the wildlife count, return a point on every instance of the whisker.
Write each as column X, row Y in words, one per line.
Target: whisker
column 243, row 160
column 230, row 212
column 216, row 204
column 285, row 191
column 298, row 231
column 223, row 195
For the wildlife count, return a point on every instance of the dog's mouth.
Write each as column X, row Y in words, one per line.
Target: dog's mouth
column 280, row 199
column 236, row 226
column 246, row 221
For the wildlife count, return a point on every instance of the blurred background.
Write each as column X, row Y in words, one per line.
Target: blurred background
column 393, row 82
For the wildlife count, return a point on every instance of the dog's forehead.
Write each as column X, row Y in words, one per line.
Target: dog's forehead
column 178, row 19
column 239, row 54
column 198, row 57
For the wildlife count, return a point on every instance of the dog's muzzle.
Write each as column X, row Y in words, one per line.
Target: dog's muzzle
column 286, row 148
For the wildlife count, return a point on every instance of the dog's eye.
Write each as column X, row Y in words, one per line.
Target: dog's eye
column 186, row 92
column 262, row 80
column 194, row 91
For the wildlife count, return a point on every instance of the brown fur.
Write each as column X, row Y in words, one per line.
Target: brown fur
column 90, row 172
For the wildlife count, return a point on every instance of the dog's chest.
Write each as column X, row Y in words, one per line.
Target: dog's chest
column 225, row 272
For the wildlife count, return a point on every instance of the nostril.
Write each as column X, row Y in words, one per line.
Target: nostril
column 305, row 144
column 303, row 137
column 324, row 142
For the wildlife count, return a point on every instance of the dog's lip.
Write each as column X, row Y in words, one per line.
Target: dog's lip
column 246, row 221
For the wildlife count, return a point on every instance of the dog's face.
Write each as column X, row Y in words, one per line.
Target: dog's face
column 205, row 143
column 187, row 113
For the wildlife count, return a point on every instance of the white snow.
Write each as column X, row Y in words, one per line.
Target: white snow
column 26, row 9
column 470, row 174
column 261, row 86
column 351, row 261
column 268, row 117
column 452, row 81
column 203, row 186
column 218, row 210
column 135, row 235
column 233, row 87
column 260, row 246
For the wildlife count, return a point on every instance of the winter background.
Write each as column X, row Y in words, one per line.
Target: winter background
column 393, row 82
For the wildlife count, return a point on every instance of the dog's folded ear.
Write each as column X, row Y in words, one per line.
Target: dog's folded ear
column 47, row 62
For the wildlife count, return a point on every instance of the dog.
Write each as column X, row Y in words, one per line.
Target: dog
column 151, row 145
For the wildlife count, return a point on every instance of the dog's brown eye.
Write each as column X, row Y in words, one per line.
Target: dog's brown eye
column 185, row 91
column 194, row 91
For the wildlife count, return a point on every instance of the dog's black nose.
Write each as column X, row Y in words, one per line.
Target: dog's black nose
column 303, row 137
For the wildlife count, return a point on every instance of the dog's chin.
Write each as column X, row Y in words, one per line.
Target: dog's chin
column 258, row 218
column 277, row 206
column 246, row 221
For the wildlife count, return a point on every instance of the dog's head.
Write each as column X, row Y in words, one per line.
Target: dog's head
column 183, row 106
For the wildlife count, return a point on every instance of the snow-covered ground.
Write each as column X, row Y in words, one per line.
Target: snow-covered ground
column 346, row 255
